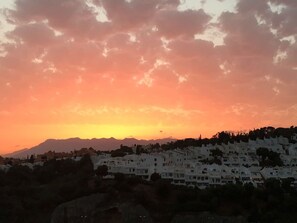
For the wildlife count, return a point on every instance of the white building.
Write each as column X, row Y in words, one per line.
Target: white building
column 184, row 167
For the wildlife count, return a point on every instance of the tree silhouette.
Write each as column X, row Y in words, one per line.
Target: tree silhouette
column 101, row 171
column 155, row 177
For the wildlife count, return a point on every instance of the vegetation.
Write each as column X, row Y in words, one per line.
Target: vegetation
column 28, row 195
column 101, row 171
column 225, row 137
column 31, row 195
column 122, row 151
column 269, row 158
column 219, row 138
column 155, row 177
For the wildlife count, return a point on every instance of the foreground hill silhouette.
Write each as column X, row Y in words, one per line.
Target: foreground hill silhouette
column 67, row 145
column 67, row 191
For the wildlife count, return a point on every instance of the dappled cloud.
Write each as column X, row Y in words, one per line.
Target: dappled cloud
column 182, row 67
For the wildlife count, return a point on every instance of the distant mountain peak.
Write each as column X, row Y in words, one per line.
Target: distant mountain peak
column 76, row 143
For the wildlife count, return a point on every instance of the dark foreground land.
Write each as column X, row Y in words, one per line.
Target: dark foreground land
column 69, row 191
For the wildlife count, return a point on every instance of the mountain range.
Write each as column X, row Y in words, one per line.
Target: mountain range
column 68, row 145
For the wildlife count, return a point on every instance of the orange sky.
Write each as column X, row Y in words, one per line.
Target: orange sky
column 144, row 69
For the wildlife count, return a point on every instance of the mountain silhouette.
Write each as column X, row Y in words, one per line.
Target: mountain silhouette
column 67, row 145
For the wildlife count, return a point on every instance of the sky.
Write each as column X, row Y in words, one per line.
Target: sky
column 144, row 69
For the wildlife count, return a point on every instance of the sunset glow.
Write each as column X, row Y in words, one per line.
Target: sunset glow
column 144, row 69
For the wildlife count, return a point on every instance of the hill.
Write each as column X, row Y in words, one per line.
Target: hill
column 67, row 145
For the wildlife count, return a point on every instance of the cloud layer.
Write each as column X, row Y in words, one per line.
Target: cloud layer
column 144, row 63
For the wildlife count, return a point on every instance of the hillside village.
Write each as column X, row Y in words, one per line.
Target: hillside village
column 208, row 165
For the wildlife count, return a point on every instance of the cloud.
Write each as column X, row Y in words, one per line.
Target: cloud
column 173, row 23
column 151, row 56
column 129, row 14
column 72, row 18
column 33, row 34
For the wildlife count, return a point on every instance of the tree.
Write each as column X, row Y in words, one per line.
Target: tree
column 163, row 188
column 18, row 174
column 140, row 149
column 119, row 177
column 117, row 153
column 262, row 152
column 122, row 151
column 155, row 177
column 275, row 159
column 216, row 152
column 223, row 136
column 86, row 166
column 2, row 178
column 286, row 184
column 269, row 158
column 31, row 159
column 101, row 171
